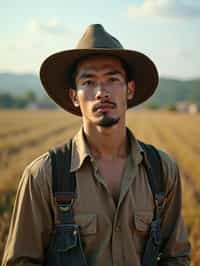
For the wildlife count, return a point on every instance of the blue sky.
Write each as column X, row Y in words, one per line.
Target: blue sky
column 165, row 30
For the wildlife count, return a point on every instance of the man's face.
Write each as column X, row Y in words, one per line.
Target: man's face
column 102, row 90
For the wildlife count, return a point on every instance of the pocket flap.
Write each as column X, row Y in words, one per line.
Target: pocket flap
column 87, row 223
column 143, row 220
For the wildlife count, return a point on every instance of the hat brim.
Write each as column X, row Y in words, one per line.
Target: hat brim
column 56, row 70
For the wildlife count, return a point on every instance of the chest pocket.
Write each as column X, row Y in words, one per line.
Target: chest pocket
column 87, row 223
column 88, row 229
column 142, row 221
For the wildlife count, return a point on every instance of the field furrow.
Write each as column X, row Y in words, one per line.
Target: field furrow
column 26, row 135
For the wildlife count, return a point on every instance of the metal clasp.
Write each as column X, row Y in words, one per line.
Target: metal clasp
column 65, row 207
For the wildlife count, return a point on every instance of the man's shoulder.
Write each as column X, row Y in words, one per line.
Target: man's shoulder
column 170, row 168
column 168, row 161
column 39, row 169
column 40, row 162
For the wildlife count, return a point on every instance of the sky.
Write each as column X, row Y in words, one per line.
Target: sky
column 165, row 30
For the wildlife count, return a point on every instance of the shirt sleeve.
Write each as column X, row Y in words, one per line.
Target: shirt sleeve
column 176, row 247
column 31, row 222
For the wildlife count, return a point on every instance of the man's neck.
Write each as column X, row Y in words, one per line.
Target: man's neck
column 107, row 143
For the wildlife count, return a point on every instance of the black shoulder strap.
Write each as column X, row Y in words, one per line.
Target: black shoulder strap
column 65, row 246
column 61, row 162
column 154, row 165
column 63, row 182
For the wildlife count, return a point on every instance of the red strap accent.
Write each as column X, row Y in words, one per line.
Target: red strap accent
column 64, row 197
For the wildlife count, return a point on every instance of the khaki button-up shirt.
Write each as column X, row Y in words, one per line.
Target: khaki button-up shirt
column 113, row 235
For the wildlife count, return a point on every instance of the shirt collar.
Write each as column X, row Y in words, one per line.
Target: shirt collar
column 81, row 151
column 136, row 150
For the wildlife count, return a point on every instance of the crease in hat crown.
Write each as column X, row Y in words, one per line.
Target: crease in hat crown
column 96, row 37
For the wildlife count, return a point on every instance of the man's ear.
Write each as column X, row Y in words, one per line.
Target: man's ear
column 131, row 89
column 73, row 96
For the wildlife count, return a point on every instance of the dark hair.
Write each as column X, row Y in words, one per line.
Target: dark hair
column 74, row 69
column 73, row 75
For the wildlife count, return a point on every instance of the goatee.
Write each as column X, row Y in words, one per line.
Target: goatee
column 108, row 121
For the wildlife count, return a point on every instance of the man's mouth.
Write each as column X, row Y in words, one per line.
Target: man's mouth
column 104, row 106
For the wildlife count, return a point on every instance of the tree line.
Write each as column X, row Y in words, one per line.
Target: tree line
column 10, row 101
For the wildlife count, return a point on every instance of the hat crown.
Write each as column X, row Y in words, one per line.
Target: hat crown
column 96, row 37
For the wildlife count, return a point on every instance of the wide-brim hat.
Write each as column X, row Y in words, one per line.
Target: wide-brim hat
column 56, row 70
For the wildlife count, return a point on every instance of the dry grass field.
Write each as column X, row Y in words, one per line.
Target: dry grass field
column 24, row 135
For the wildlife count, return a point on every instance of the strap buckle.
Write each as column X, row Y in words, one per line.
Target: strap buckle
column 65, row 207
column 65, row 200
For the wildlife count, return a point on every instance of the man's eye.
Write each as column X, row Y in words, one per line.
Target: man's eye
column 113, row 79
column 87, row 83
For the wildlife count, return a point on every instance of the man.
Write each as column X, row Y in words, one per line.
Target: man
column 114, row 207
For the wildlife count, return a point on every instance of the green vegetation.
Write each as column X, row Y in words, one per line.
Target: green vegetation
column 18, row 90
column 171, row 91
column 28, row 98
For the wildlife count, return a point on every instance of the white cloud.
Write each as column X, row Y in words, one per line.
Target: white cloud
column 52, row 26
column 38, row 39
column 177, row 9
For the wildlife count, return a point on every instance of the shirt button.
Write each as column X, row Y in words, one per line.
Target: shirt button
column 117, row 228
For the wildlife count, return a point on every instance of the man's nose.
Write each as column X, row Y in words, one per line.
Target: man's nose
column 102, row 91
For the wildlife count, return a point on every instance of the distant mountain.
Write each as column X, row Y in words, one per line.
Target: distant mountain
column 171, row 91
column 168, row 93
column 20, row 83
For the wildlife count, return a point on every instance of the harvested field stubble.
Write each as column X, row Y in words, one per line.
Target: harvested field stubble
column 27, row 134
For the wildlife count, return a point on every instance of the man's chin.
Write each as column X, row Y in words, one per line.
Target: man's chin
column 108, row 122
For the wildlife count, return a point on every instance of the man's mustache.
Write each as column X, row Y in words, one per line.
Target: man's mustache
column 99, row 104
